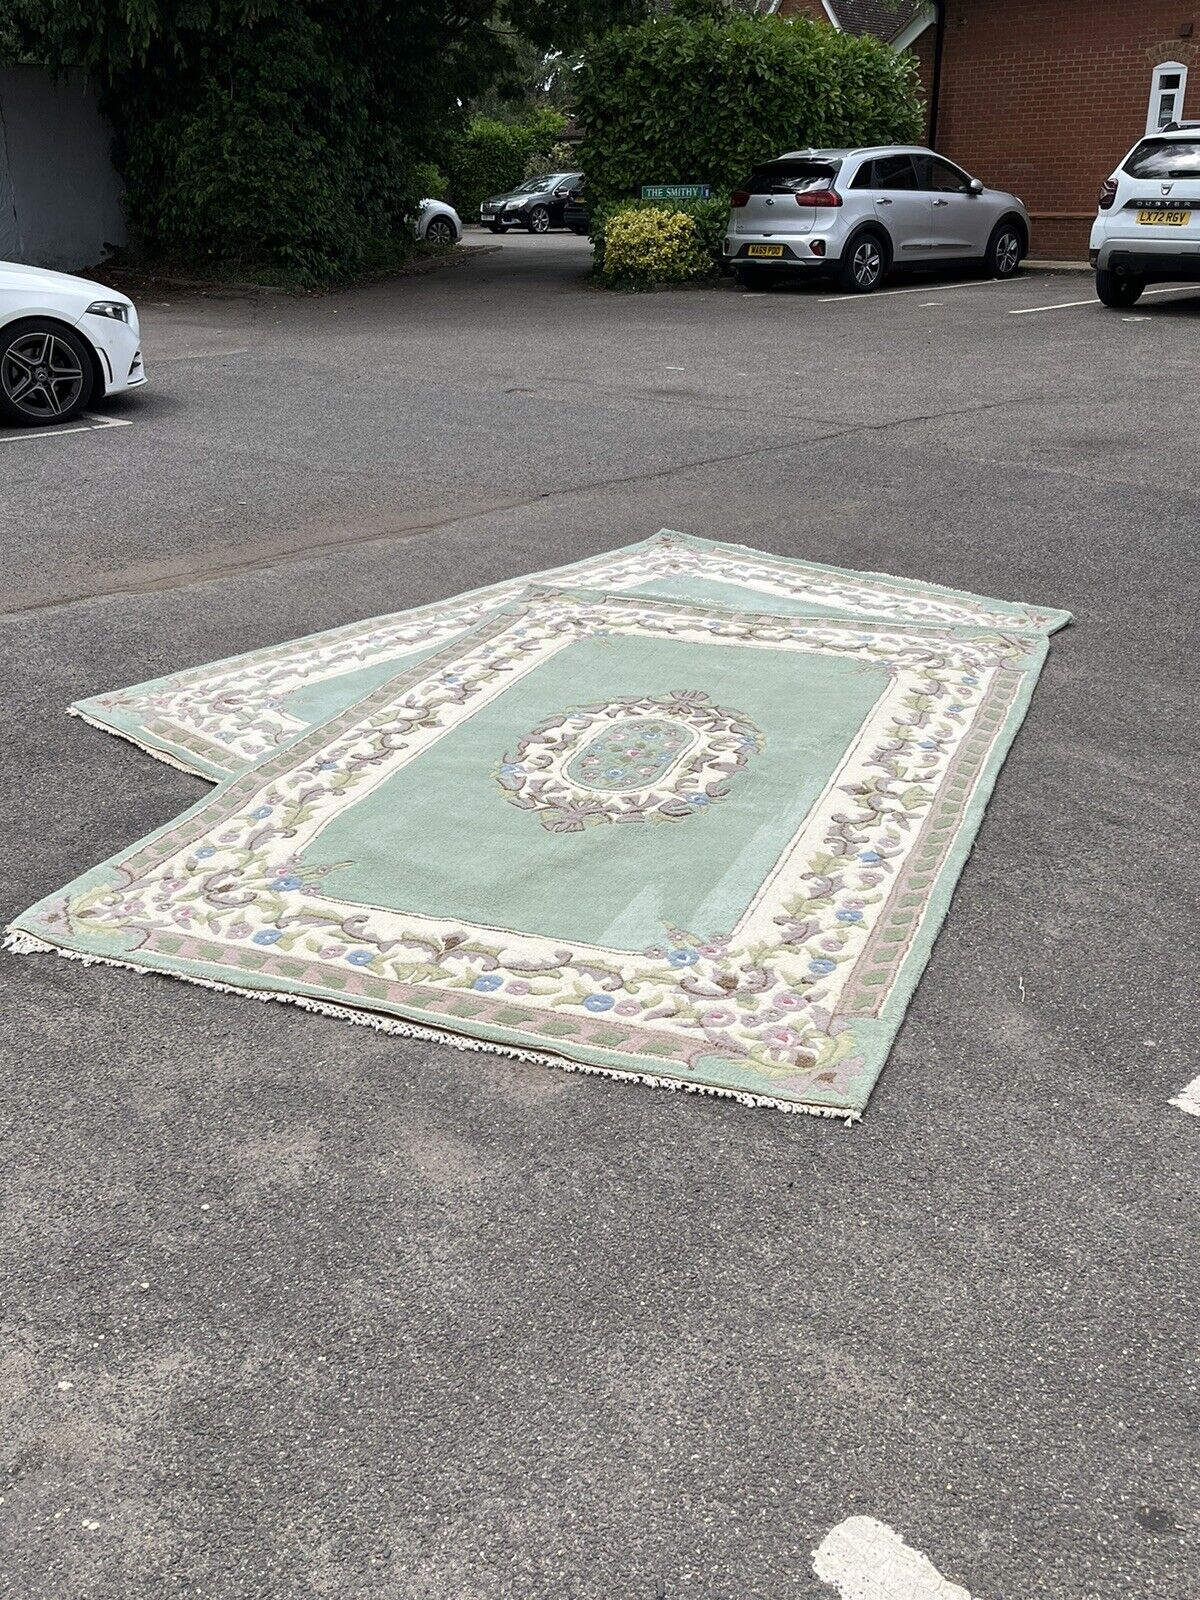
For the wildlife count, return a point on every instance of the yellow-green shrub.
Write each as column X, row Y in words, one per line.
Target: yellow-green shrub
column 653, row 244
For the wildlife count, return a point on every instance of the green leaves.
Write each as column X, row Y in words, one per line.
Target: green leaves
column 702, row 95
column 489, row 157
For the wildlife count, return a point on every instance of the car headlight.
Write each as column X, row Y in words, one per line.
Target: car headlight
column 118, row 310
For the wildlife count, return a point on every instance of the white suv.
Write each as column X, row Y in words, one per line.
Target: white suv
column 1147, row 229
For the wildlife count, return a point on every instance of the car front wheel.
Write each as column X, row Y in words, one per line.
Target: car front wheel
column 441, row 232
column 497, row 227
column 1004, row 251
column 863, row 265
column 45, row 374
column 1118, row 290
column 539, row 220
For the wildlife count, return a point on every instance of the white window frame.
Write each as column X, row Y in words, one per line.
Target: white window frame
column 1162, row 70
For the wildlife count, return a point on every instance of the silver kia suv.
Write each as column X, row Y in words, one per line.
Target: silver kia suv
column 854, row 214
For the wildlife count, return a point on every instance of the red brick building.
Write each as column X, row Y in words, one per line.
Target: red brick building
column 1041, row 97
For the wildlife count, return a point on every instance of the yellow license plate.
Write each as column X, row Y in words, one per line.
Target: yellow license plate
column 764, row 249
column 1165, row 219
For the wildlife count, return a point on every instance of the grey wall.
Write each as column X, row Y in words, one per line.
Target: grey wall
column 60, row 200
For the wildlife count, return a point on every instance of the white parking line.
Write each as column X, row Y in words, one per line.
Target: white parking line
column 1189, row 1099
column 1066, row 305
column 921, row 288
column 865, row 1560
column 94, row 425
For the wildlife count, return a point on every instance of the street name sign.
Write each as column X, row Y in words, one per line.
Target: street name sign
column 676, row 191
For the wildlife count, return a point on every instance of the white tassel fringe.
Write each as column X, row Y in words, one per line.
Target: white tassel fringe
column 131, row 738
column 19, row 942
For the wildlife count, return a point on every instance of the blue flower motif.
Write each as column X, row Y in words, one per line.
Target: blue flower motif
column 871, row 857
column 288, row 881
column 696, row 799
column 326, row 766
column 953, row 708
column 205, row 851
column 487, row 982
column 849, row 916
column 822, row 966
column 971, row 680
column 929, row 744
column 451, row 677
column 683, row 958
column 261, row 811
column 361, row 958
column 613, row 772
column 599, row 1002
column 511, row 768
column 268, row 936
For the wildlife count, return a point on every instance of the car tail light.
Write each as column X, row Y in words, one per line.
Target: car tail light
column 818, row 197
column 739, row 197
column 1108, row 193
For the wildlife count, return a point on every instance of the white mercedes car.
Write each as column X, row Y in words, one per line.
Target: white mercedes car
column 64, row 343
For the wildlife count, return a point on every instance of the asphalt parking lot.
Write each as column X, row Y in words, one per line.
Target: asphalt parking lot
column 293, row 1312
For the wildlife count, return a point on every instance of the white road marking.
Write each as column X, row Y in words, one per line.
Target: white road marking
column 920, row 288
column 1135, row 319
column 1066, row 305
column 865, row 1560
column 1189, row 1099
column 96, row 425
column 674, row 369
column 202, row 355
column 927, row 303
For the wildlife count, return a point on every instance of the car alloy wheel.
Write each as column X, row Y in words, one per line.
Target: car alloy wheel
column 867, row 264
column 42, row 375
column 441, row 232
column 1006, row 254
column 539, row 220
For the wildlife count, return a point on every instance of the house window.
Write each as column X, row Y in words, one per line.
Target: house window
column 1167, row 89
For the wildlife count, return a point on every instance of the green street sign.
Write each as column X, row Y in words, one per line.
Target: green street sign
column 676, row 191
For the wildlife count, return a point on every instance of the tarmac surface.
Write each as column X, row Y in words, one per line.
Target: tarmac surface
column 296, row 1310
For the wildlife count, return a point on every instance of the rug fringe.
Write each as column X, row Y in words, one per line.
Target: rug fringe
column 131, row 738
column 22, row 943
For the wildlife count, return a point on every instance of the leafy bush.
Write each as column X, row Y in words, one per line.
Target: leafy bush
column 644, row 245
column 559, row 158
column 709, row 217
column 700, row 98
column 429, row 181
column 280, row 139
column 488, row 157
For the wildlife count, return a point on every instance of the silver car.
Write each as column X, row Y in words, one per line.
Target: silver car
column 853, row 215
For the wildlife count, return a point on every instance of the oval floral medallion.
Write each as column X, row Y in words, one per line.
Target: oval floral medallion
column 646, row 758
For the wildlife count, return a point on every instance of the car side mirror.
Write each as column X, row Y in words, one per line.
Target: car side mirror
column 561, row 194
column 975, row 186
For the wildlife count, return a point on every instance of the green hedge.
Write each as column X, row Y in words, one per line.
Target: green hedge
column 692, row 98
column 489, row 157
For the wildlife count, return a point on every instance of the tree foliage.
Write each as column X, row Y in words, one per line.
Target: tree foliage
column 487, row 157
column 702, row 94
column 285, row 135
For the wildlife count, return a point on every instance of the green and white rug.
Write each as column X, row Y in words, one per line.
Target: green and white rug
column 701, row 846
